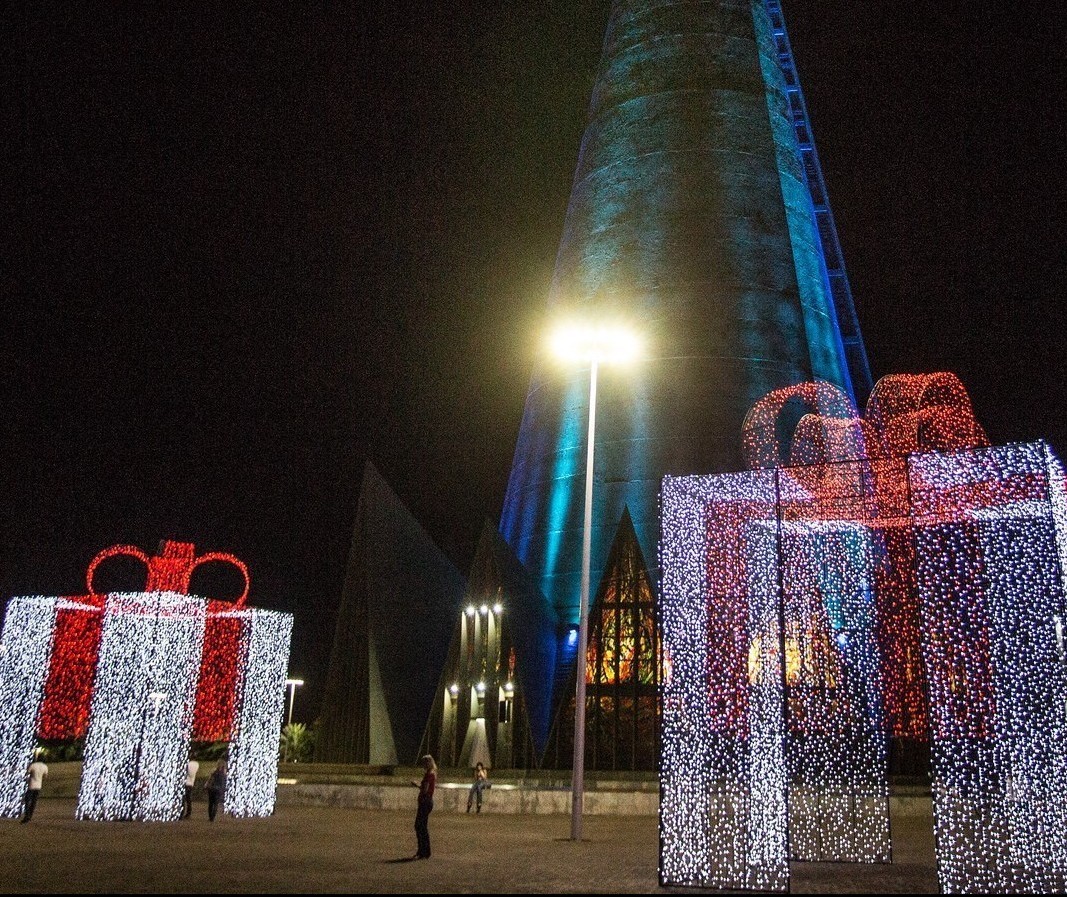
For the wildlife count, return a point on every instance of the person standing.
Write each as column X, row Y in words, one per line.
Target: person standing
column 422, row 816
column 191, row 769
column 216, row 788
column 35, row 774
column 481, row 782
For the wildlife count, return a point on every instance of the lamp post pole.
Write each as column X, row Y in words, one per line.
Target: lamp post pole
column 292, row 683
column 578, row 771
column 593, row 344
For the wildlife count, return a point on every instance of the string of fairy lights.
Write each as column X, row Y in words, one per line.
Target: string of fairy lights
column 220, row 666
column 991, row 589
column 917, row 578
column 140, row 674
column 24, row 647
column 826, row 747
column 723, row 820
column 69, row 689
column 835, row 745
column 253, row 758
column 143, row 696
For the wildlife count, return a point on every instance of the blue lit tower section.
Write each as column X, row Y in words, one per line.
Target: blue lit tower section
column 692, row 217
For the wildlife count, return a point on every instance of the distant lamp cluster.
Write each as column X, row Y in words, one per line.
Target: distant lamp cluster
column 800, row 605
column 140, row 675
column 473, row 719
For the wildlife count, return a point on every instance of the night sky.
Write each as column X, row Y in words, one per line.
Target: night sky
column 255, row 245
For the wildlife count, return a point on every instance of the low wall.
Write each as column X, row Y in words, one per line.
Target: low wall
column 451, row 796
column 373, row 789
column 506, row 798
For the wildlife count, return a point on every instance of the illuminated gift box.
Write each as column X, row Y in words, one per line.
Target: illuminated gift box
column 894, row 575
column 141, row 675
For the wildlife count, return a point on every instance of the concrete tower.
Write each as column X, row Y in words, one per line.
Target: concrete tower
column 698, row 214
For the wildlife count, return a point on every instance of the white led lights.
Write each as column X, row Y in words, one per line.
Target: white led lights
column 146, row 672
column 990, row 543
column 252, row 768
column 748, row 733
column 143, row 700
column 142, row 712
column 25, row 646
column 723, row 820
column 835, row 745
column 920, row 578
column 808, row 547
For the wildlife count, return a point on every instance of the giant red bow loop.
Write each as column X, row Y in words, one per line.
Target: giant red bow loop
column 906, row 413
column 847, row 469
column 68, row 691
column 171, row 570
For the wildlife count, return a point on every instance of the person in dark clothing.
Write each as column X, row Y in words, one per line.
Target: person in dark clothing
column 422, row 817
column 216, row 789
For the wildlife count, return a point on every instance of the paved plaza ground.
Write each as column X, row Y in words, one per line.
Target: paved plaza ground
column 330, row 849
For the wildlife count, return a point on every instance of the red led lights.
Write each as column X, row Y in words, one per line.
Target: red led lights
column 855, row 469
column 68, row 689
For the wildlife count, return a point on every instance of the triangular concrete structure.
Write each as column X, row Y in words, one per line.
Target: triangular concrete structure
column 398, row 605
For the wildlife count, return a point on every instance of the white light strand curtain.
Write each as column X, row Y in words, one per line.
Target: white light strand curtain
column 723, row 808
column 25, row 652
column 251, row 787
column 144, row 694
column 991, row 590
column 836, row 746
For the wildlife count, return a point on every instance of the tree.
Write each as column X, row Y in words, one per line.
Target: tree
column 296, row 743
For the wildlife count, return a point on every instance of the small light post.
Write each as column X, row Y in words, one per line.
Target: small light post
column 292, row 684
column 593, row 345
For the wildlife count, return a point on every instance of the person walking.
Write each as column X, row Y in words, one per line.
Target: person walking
column 216, row 788
column 481, row 782
column 35, row 774
column 422, row 816
column 191, row 769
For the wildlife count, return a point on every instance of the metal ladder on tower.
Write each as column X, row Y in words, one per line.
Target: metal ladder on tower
column 840, row 291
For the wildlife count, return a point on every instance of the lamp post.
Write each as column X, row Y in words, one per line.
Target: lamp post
column 593, row 345
column 292, row 684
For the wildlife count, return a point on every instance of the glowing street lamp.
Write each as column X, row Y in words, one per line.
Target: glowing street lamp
column 292, row 685
column 592, row 344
